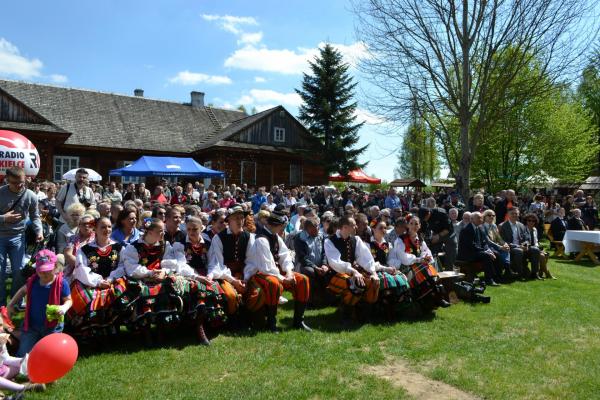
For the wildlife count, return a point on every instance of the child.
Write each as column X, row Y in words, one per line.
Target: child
column 11, row 367
column 46, row 287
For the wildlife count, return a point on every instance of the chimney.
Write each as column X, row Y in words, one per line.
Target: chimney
column 197, row 99
column 138, row 92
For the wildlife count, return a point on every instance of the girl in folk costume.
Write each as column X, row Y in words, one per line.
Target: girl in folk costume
column 393, row 284
column 98, row 287
column 411, row 255
column 46, row 287
column 84, row 235
column 148, row 267
column 205, row 300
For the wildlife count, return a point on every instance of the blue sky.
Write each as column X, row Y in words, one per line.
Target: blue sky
column 237, row 52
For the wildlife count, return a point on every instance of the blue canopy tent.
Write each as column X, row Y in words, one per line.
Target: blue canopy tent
column 166, row 166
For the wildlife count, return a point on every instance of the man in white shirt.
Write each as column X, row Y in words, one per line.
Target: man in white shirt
column 515, row 234
column 356, row 278
column 112, row 194
column 273, row 269
column 75, row 192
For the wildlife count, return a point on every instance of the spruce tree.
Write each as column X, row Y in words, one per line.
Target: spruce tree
column 328, row 111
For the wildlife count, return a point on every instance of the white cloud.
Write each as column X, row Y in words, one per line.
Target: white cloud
column 230, row 23
column 368, row 117
column 259, row 79
column 263, row 99
column 193, row 78
column 250, row 38
column 12, row 63
column 58, row 78
column 287, row 61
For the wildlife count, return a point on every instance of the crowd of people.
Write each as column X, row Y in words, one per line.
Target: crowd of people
column 112, row 256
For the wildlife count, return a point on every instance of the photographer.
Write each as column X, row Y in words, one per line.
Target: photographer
column 77, row 192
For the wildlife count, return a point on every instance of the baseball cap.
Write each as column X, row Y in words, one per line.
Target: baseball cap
column 45, row 260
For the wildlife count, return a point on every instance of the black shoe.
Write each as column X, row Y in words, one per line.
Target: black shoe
column 272, row 319
column 491, row 282
column 443, row 303
column 202, row 338
column 299, row 309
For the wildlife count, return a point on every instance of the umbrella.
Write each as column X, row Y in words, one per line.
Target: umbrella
column 92, row 175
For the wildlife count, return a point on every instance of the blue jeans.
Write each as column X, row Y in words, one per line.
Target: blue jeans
column 13, row 248
column 29, row 338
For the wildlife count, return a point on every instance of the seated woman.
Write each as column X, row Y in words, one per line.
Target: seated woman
column 74, row 212
column 83, row 236
column 98, row 287
column 411, row 255
column 393, row 283
column 153, row 272
column 500, row 248
column 532, row 221
column 205, row 301
column 126, row 231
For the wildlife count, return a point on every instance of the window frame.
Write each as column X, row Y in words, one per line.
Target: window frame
column 301, row 175
column 279, row 130
column 69, row 159
column 242, row 172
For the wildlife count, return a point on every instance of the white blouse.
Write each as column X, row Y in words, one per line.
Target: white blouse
column 83, row 273
column 261, row 259
column 131, row 263
column 398, row 255
column 176, row 252
column 216, row 262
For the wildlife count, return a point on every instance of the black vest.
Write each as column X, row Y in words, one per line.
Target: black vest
column 273, row 240
column 346, row 247
column 179, row 236
column 380, row 251
column 102, row 262
column 196, row 257
column 234, row 248
column 149, row 254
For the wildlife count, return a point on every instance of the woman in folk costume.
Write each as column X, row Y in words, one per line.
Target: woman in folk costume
column 205, row 301
column 271, row 270
column 227, row 262
column 411, row 255
column 83, row 236
column 356, row 276
column 149, row 267
column 393, row 284
column 99, row 288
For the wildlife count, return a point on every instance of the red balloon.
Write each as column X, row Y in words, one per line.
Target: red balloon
column 51, row 358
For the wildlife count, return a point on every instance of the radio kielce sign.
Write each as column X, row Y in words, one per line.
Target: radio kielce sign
column 18, row 151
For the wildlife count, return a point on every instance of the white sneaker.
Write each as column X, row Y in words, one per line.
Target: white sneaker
column 282, row 300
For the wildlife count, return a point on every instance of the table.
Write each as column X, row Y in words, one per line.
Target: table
column 447, row 278
column 582, row 242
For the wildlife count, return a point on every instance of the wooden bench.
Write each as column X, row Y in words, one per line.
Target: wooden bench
column 559, row 247
column 469, row 268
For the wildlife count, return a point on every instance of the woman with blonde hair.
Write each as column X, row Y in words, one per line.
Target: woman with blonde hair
column 73, row 213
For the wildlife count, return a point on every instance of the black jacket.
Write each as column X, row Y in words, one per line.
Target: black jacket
column 472, row 240
column 558, row 227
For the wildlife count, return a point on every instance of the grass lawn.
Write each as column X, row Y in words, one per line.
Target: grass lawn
column 536, row 340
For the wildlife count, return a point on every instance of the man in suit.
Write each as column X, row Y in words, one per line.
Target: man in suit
column 559, row 225
column 575, row 222
column 515, row 234
column 438, row 232
column 473, row 246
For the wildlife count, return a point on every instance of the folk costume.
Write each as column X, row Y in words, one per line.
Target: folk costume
column 392, row 287
column 409, row 257
column 271, row 264
column 160, row 301
column 346, row 256
column 95, row 309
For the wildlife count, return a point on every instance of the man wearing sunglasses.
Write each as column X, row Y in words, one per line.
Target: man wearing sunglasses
column 16, row 204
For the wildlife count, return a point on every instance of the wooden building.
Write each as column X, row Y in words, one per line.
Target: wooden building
column 83, row 128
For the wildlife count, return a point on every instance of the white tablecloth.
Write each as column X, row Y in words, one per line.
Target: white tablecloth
column 573, row 240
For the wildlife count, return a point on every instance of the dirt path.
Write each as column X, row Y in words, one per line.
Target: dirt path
column 418, row 386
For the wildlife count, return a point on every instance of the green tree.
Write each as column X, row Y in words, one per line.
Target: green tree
column 242, row 108
column 329, row 111
column 418, row 157
column 589, row 91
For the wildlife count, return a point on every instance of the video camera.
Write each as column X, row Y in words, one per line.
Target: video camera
column 471, row 292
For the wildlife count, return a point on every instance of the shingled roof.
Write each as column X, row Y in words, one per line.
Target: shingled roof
column 109, row 120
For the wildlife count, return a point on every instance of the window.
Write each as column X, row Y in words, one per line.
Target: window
column 279, row 134
column 295, row 174
column 248, row 173
column 207, row 181
column 130, row 179
column 63, row 164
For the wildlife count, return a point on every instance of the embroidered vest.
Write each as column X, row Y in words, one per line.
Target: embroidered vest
column 380, row 251
column 346, row 247
column 150, row 256
column 102, row 262
column 196, row 257
column 234, row 250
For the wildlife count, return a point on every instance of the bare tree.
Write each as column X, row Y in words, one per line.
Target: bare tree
column 456, row 58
